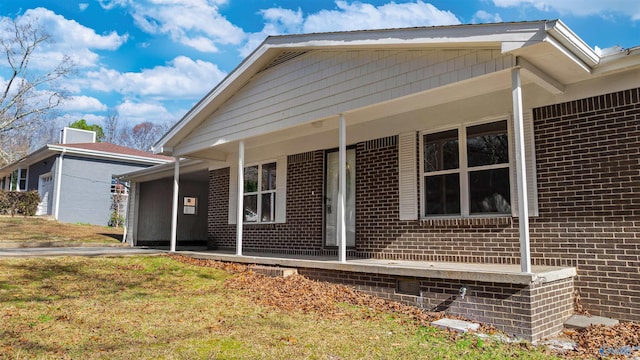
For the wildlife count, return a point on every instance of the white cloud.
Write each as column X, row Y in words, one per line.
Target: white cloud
column 194, row 23
column 482, row 16
column 627, row 8
column 182, row 78
column 137, row 112
column 83, row 6
column 359, row 16
column 69, row 38
column 82, row 103
column 349, row 16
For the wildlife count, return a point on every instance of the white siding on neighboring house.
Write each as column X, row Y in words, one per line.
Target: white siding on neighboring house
column 323, row 83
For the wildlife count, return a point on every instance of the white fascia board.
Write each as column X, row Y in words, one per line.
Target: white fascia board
column 478, row 35
column 574, row 44
column 164, row 170
column 106, row 155
column 624, row 60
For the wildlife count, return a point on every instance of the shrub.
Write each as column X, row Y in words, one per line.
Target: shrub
column 19, row 202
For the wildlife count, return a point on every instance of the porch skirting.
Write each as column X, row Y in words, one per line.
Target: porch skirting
column 531, row 306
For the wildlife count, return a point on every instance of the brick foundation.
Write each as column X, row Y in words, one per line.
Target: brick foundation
column 531, row 312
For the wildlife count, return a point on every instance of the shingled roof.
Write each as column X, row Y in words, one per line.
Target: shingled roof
column 116, row 149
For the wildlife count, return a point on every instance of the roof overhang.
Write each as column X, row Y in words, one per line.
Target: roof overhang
column 50, row 150
column 550, row 54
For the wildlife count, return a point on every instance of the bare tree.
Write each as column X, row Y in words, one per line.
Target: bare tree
column 27, row 96
column 112, row 132
column 144, row 135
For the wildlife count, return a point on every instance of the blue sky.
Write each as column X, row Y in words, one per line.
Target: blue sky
column 151, row 60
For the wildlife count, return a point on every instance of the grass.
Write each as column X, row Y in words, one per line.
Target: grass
column 159, row 308
column 29, row 230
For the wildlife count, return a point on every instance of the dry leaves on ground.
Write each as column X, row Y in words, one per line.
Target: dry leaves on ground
column 618, row 341
column 298, row 293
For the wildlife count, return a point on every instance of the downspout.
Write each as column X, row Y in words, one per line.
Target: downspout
column 56, row 209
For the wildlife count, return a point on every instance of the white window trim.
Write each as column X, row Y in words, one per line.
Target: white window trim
column 464, row 169
column 280, row 191
column 259, row 192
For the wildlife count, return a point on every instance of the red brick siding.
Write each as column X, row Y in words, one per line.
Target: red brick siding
column 588, row 169
column 380, row 233
column 302, row 232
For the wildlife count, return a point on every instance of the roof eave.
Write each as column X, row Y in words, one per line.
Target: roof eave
column 573, row 43
column 489, row 36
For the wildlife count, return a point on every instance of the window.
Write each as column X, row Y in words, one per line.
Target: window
column 259, row 200
column 466, row 171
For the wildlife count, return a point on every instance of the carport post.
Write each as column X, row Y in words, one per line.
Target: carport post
column 174, row 210
column 342, row 186
column 521, row 178
column 240, row 205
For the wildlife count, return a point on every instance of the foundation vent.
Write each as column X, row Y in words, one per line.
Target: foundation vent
column 408, row 287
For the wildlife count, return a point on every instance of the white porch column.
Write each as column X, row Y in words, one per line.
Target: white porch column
column 342, row 187
column 174, row 210
column 521, row 178
column 240, row 199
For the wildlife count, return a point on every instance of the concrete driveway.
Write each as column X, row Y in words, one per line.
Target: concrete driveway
column 76, row 251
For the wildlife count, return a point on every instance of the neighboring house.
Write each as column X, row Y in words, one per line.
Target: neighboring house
column 75, row 179
column 492, row 170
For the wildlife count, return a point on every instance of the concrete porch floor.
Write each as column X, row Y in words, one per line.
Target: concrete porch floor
column 493, row 273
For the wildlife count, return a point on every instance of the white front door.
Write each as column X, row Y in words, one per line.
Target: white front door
column 331, row 199
column 45, row 190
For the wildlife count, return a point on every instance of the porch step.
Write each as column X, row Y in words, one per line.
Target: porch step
column 583, row 321
column 455, row 325
column 273, row 271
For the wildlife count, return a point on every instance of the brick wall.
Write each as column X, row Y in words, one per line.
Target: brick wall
column 588, row 168
column 302, row 232
column 530, row 312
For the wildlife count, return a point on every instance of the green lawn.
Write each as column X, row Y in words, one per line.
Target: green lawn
column 157, row 307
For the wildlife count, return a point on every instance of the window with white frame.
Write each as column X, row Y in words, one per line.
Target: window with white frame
column 259, row 193
column 465, row 171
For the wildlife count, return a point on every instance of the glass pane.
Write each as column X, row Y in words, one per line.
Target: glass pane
column 487, row 144
column 489, row 191
column 250, row 208
column 268, row 207
column 251, row 179
column 441, row 151
column 269, row 176
column 442, row 194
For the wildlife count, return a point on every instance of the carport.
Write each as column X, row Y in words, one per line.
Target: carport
column 151, row 201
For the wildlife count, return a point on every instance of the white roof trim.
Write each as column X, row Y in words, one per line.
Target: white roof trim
column 505, row 36
column 105, row 154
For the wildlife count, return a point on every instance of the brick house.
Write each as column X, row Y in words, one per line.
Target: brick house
column 486, row 170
